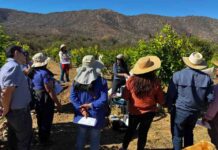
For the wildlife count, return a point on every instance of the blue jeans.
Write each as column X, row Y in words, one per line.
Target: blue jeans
column 64, row 73
column 183, row 126
column 94, row 136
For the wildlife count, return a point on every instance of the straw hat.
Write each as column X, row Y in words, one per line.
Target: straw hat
column 62, row 45
column 146, row 64
column 39, row 60
column 195, row 61
column 89, row 71
column 215, row 63
column 120, row 56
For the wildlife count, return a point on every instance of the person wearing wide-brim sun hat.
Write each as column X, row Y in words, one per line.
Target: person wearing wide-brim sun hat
column 46, row 98
column 89, row 96
column 143, row 92
column 211, row 115
column 189, row 92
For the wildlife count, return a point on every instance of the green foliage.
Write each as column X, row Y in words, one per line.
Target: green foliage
column 167, row 45
column 5, row 42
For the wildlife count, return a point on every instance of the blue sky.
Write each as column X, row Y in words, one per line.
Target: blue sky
column 128, row 7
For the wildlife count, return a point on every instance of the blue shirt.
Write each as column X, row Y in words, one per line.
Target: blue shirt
column 12, row 75
column 98, row 98
column 190, row 90
column 40, row 78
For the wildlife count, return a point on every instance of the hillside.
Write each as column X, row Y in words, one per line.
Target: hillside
column 90, row 26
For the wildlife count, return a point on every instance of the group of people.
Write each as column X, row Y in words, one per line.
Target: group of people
column 23, row 86
column 189, row 93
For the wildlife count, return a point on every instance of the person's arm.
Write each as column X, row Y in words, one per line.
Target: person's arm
column 101, row 101
column 126, row 92
column 172, row 93
column 75, row 100
column 119, row 74
column 210, row 92
column 49, row 88
column 213, row 107
column 60, row 56
column 159, row 95
column 10, row 82
column 6, row 98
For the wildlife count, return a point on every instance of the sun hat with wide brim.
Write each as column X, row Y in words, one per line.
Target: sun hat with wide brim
column 89, row 71
column 146, row 64
column 215, row 63
column 195, row 61
column 39, row 60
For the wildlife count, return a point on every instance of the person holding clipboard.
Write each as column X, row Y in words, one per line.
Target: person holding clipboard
column 90, row 99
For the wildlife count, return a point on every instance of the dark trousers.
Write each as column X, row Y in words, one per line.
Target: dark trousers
column 213, row 132
column 117, row 83
column 44, row 113
column 143, row 123
column 19, row 129
column 64, row 72
column 183, row 126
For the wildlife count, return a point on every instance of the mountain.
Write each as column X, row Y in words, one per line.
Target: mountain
column 101, row 25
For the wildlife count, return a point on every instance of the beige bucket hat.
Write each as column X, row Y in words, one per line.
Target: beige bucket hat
column 89, row 71
column 195, row 61
column 39, row 60
column 146, row 64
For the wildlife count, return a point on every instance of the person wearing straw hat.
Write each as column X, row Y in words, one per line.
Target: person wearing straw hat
column 43, row 87
column 143, row 92
column 90, row 99
column 120, row 73
column 64, row 63
column 189, row 92
column 211, row 115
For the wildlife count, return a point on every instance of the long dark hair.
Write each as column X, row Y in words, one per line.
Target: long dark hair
column 34, row 69
column 123, row 64
column 143, row 84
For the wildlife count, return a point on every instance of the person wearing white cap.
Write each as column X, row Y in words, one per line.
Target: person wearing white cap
column 90, row 99
column 189, row 92
column 64, row 63
column 46, row 98
column 120, row 73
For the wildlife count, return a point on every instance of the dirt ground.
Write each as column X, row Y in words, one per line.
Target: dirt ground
column 64, row 131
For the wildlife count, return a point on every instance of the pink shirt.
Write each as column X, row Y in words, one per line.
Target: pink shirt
column 213, row 107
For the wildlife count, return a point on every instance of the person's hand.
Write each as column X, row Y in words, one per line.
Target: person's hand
column 126, row 75
column 204, row 119
column 59, row 107
column 86, row 106
column 84, row 112
column 5, row 112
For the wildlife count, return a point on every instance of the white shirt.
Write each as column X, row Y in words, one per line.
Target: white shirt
column 64, row 57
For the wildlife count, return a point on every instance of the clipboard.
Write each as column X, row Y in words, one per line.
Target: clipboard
column 89, row 121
